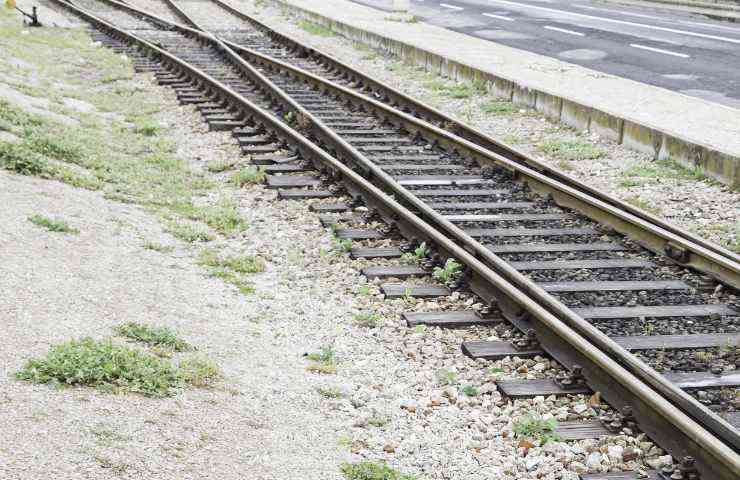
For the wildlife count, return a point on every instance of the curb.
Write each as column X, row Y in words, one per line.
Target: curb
column 643, row 138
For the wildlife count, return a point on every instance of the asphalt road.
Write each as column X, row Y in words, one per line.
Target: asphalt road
column 681, row 52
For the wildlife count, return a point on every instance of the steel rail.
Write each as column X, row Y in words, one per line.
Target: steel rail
column 473, row 135
column 643, row 371
column 660, row 237
column 501, row 267
column 650, row 231
column 695, row 434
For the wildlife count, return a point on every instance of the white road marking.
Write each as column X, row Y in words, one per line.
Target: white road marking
column 451, row 7
column 499, row 17
column 659, row 50
column 685, row 22
column 621, row 22
column 620, row 13
column 562, row 30
column 731, row 29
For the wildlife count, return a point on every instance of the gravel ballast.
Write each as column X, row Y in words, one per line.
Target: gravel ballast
column 707, row 208
column 398, row 395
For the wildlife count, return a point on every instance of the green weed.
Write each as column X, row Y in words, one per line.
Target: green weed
column 663, row 169
column 228, row 276
column 631, row 183
column 16, row 119
column 249, row 175
column 108, row 367
column 449, row 272
column 19, row 159
column 240, row 264
column 189, row 233
column 378, row 421
column 456, row 90
column 536, row 428
column 419, row 253
column 329, row 392
column 146, row 127
column 364, row 290
column 367, row 319
column 158, row 247
column 499, row 107
column 571, row 150
column 372, row 471
column 153, row 336
column 343, row 245
column 222, row 217
column 470, row 391
column 325, row 355
column 199, row 371
column 52, row 145
column 218, row 166
column 53, row 225
column 324, row 361
column 315, row 29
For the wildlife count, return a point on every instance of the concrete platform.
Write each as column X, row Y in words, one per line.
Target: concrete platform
column 648, row 119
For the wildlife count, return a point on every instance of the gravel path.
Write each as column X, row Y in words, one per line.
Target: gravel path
column 707, row 208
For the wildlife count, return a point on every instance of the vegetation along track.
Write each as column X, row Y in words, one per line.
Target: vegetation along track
column 577, row 289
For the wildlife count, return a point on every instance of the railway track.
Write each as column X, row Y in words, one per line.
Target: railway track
column 604, row 291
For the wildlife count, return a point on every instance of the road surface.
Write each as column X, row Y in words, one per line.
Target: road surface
column 678, row 51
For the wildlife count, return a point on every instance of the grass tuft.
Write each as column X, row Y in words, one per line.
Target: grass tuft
column 240, row 264
column 200, row 371
column 52, row 145
column 147, row 128
column 244, row 286
column 153, row 336
column 325, row 355
column 499, row 107
column 372, row 471
column 53, row 225
column 190, row 233
column 223, row 217
column 329, row 392
column 158, row 247
column 315, row 29
column 218, row 166
column 248, row 175
column 106, row 366
column 324, row 361
column 456, row 90
column 662, row 169
column 11, row 117
column 571, row 150
column 535, row 427
column 367, row 319
column 18, row 159
column 470, row 391
column 230, row 268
